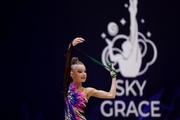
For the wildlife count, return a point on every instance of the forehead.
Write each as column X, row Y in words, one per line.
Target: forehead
column 78, row 67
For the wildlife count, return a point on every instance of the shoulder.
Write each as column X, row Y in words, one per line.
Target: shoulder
column 89, row 91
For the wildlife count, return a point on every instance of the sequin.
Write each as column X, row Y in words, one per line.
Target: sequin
column 76, row 102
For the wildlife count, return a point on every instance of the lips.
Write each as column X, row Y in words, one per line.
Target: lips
column 83, row 77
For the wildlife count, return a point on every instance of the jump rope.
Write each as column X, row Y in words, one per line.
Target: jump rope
column 108, row 66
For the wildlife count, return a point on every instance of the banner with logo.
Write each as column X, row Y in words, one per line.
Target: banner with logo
column 126, row 40
column 131, row 61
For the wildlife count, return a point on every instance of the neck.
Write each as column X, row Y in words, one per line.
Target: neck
column 79, row 85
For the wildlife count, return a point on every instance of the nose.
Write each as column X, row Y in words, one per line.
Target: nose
column 84, row 74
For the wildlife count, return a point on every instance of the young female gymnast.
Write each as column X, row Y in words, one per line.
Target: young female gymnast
column 75, row 95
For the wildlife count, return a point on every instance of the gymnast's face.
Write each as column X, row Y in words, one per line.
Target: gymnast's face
column 78, row 73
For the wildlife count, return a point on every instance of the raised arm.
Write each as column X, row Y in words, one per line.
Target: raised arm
column 92, row 92
column 67, row 65
column 76, row 41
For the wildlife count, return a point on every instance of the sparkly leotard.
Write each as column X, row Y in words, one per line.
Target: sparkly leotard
column 76, row 102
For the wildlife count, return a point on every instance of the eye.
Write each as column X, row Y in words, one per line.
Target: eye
column 79, row 71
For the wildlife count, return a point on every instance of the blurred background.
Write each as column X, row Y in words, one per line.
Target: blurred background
column 35, row 36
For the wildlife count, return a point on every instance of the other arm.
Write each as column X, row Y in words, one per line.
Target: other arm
column 92, row 92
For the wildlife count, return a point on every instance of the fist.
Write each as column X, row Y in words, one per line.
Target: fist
column 112, row 72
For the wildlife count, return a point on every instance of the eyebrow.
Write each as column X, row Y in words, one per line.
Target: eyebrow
column 81, row 69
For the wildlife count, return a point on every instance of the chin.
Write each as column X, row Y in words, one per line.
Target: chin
column 83, row 80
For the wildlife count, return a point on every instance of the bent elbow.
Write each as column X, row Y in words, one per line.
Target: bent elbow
column 112, row 96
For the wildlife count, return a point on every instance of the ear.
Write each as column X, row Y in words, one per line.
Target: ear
column 71, row 73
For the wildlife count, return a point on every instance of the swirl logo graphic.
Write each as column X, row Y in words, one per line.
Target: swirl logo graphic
column 134, row 47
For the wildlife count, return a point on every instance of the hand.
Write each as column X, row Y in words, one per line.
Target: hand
column 112, row 72
column 77, row 40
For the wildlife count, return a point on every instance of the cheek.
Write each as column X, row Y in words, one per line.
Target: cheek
column 77, row 75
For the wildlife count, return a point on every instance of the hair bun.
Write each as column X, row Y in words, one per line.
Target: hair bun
column 74, row 60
